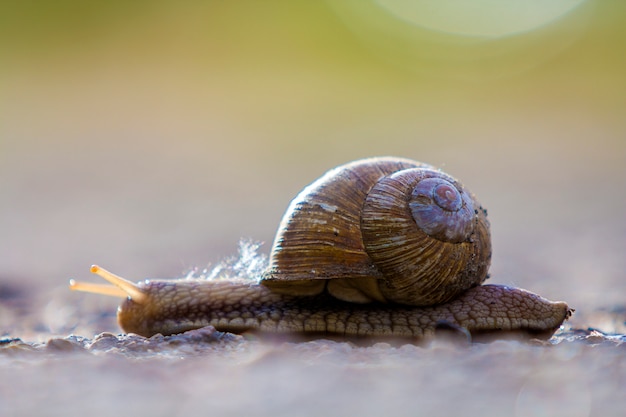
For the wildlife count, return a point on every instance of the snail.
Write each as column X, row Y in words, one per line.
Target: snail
column 379, row 247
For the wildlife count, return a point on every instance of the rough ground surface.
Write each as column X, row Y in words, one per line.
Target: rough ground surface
column 576, row 373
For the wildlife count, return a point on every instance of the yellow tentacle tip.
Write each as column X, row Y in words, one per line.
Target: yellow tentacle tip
column 121, row 287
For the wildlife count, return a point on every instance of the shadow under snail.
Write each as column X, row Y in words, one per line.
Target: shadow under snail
column 379, row 247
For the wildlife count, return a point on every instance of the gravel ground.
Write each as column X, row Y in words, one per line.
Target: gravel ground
column 576, row 374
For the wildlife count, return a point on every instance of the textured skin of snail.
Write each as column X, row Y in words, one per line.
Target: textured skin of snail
column 177, row 306
column 381, row 247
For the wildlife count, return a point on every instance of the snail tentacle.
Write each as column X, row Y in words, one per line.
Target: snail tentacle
column 121, row 286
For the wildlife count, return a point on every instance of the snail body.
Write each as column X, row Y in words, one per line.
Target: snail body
column 378, row 247
column 239, row 307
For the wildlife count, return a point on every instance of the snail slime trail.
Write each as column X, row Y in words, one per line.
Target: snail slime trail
column 379, row 247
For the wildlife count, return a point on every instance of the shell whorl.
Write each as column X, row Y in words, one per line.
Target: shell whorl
column 442, row 209
column 423, row 232
column 386, row 229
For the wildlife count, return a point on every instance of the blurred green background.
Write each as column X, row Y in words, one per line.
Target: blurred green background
column 149, row 136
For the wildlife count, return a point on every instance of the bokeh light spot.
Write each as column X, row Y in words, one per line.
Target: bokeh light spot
column 488, row 18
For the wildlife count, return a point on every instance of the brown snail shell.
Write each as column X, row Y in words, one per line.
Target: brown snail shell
column 382, row 229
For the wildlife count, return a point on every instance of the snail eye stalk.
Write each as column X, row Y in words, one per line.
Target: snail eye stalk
column 121, row 287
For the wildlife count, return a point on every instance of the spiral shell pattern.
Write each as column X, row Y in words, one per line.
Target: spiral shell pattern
column 422, row 231
column 384, row 229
